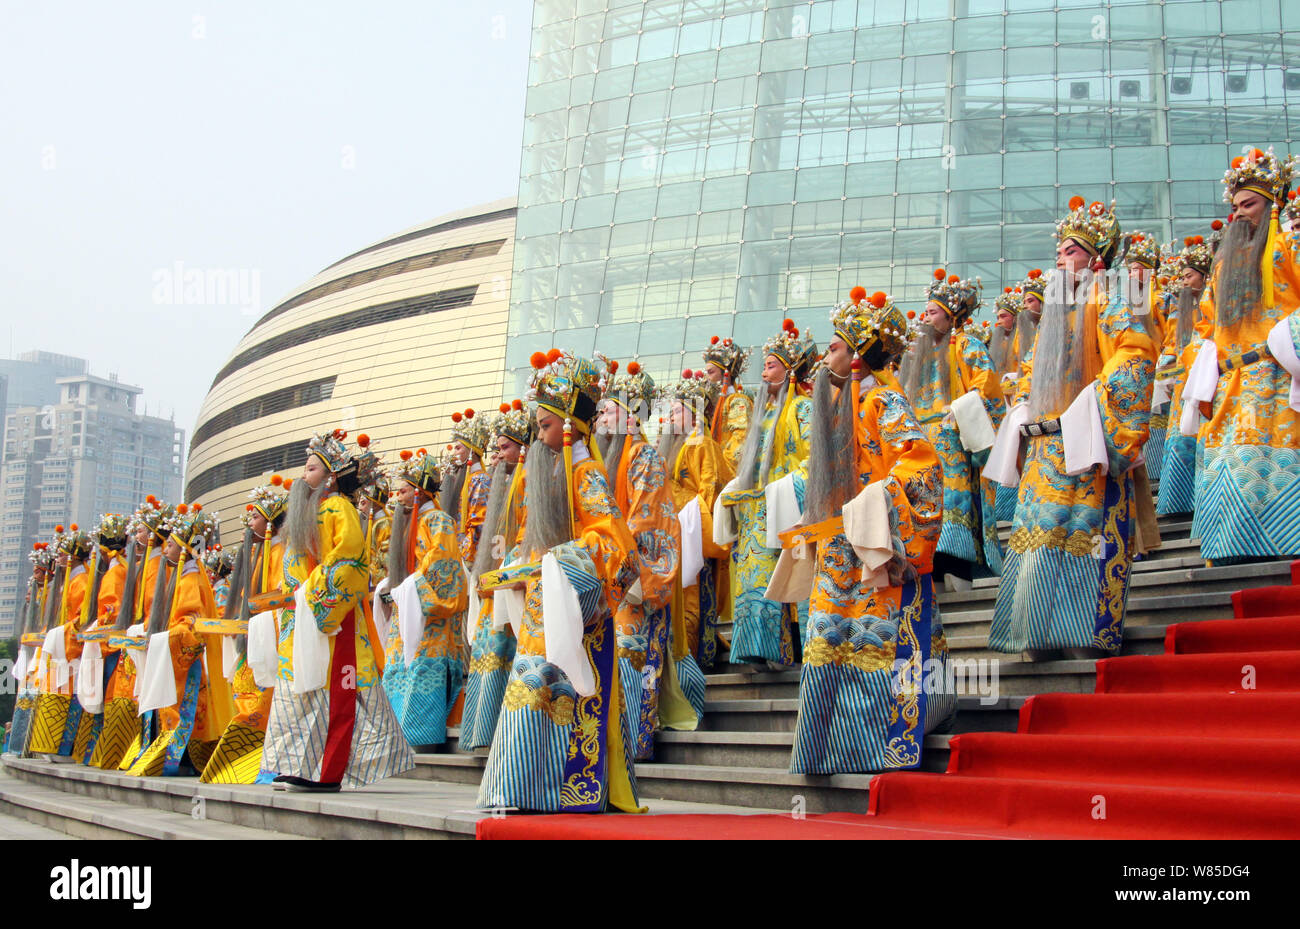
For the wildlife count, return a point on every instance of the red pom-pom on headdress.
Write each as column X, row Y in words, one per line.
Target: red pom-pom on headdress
column 940, row 274
column 405, row 455
column 288, row 483
column 1218, row 223
column 469, row 414
column 953, row 278
column 1006, row 290
column 248, row 507
column 613, row 366
column 421, row 451
column 151, row 499
column 363, row 440
column 787, row 325
column 1200, row 239
column 633, row 367
column 456, row 417
column 911, row 314
column 1076, row 201
column 74, row 527
column 1035, row 274
column 554, row 355
column 340, row 434
column 517, row 404
column 58, row 528
column 879, row 299
column 688, row 374
column 182, row 509
column 858, row 294
column 276, row 480
column 198, row 507
column 1189, row 240
column 504, row 408
column 538, row 360
column 713, row 341
column 1236, row 162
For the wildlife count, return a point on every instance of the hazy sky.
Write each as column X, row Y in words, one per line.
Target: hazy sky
column 269, row 137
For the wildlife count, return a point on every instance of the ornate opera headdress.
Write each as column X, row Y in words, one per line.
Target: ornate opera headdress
column 796, row 353
column 694, row 389
column 111, row 531
column 378, row 491
column 1259, row 171
column 1093, row 226
column 194, row 528
column 329, row 448
column 270, row 500
column 1142, row 249
column 472, row 431
column 862, row 321
column 419, row 469
column 632, row 389
column 516, row 422
column 219, row 560
column 727, row 356
column 370, row 466
column 1011, row 300
column 1034, row 283
column 958, row 297
column 1197, row 254
column 155, row 514
column 75, row 542
column 41, row 556
column 566, row 386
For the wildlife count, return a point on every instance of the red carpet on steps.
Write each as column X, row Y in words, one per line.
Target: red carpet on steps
column 1222, row 673
column 1184, row 745
column 1271, row 765
column 1273, row 633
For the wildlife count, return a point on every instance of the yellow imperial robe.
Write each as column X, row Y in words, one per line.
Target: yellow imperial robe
column 644, row 497
column 424, row 690
column 345, row 731
column 700, row 470
column 204, row 704
column 555, row 750
column 761, row 627
column 492, row 651
column 237, row 758
column 874, row 676
column 1065, row 579
column 379, row 531
column 58, row 712
column 731, row 422
column 970, row 531
column 1248, row 491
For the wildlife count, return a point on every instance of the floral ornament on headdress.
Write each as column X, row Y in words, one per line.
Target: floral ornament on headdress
column 1093, row 226
column 726, row 355
column 41, row 555
column 567, row 386
column 76, row 541
column 369, row 465
column 269, row 500
column 959, row 297
column 111, row 531
column 1260, row 171
column 796, row 353
column 1142, row 249
column 694, row 390
column 419, row 469
column 1011, row 300
column 1197, row 254
column 632, row 389
column 194, row 528
column 861, row 321
column 331, row 450
column 471, row 430
column 1034, row 283
column 155, row 514
column 514, row 421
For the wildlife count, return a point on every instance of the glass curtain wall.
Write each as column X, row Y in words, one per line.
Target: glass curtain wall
column 701, row 168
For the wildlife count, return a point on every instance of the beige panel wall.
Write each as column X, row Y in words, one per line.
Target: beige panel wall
column 398, row 382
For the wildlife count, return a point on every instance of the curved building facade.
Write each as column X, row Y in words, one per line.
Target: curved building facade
column 389, row 340
column 700, row 168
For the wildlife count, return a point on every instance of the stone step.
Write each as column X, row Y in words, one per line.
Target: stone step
column 392, row 809
column 1141, row 583
column 1001, row 714
column 1138, row 640
column 766, row 788
column 86, row 817
column 1169, row 561
column 1142, row 611
column 758, row 749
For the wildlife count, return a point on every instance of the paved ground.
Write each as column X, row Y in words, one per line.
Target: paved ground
column 11, row 828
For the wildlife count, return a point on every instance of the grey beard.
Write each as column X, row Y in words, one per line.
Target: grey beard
column 832, row 467
column 449, row 492
column 1026, row 329
column 495, row 535
column 611, row 452
column 302, row 529
column 755, row 443
column 546, row 500
column 1189, row 307
column 1239, row 288
column 669, row 445
column 1062, row 347
column 1000, row 346
column 926, row 362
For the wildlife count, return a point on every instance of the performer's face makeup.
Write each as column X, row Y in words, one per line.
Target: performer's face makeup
column 1072, row 257
column 1033, row 306
column 257, row 522
column 1193, row 279
column 838, row 358
column 461, row 452
column 713, row 373
column 1249, row 204
column 937, row 317
column 405, row 494
column 313, row 472
column 172, row 551
column 681, row 418
column 507, row 450
column 550, row 429
column 773, row 371
column 1006, row 321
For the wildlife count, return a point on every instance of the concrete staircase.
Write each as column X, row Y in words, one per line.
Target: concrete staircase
column 738, row 762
